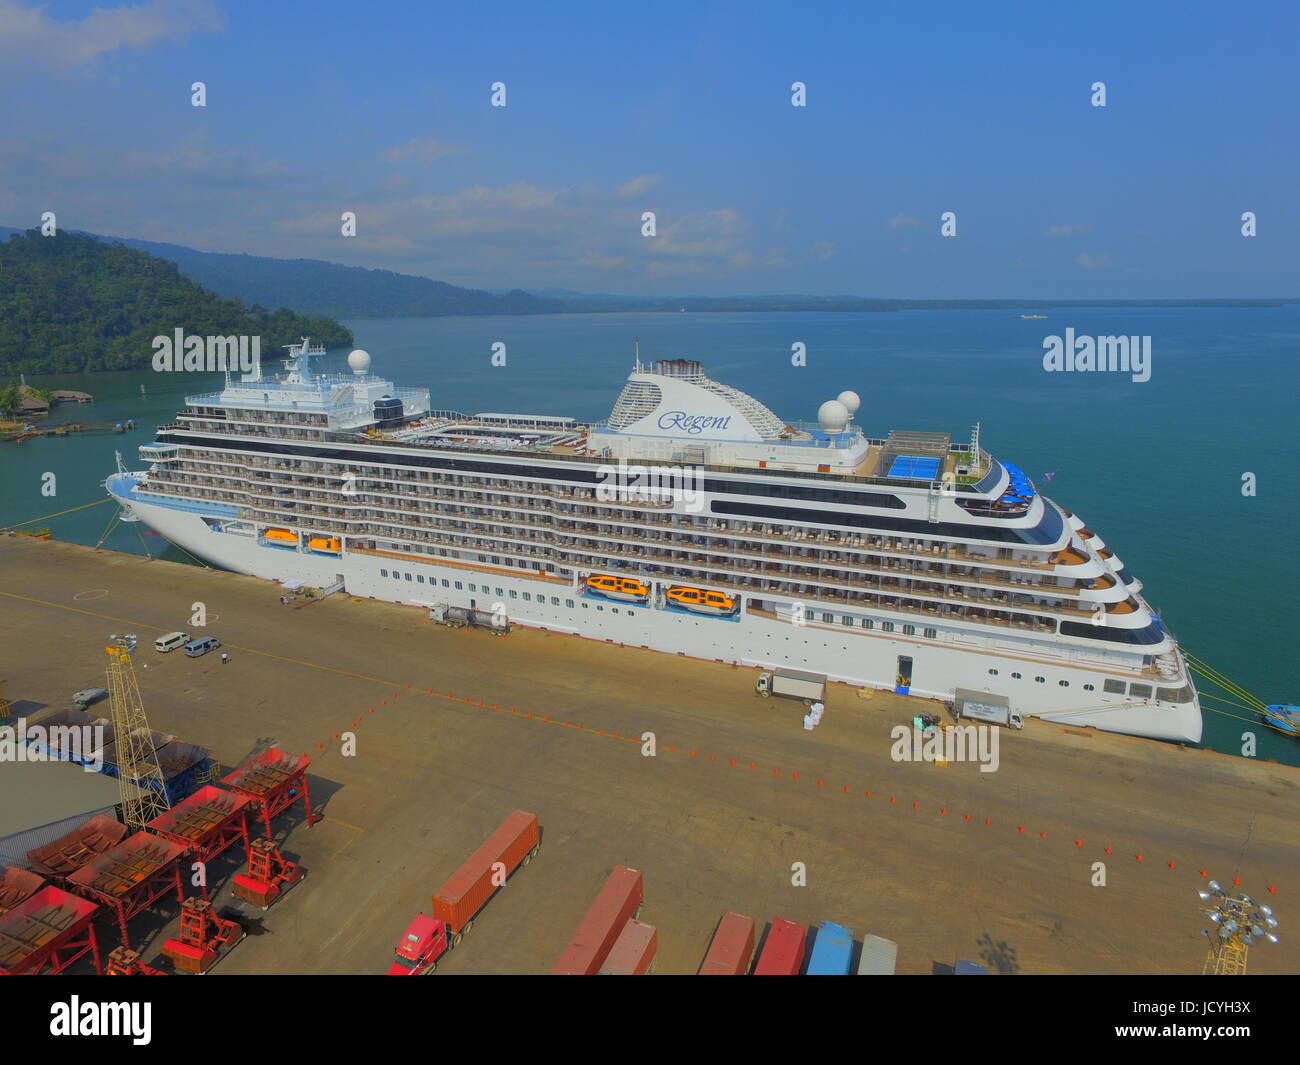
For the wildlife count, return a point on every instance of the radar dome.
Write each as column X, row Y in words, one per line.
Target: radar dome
column 833, row 416
column 360, row 362
column 851, row 400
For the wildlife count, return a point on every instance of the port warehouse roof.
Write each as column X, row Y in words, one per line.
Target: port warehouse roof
column 43, row 801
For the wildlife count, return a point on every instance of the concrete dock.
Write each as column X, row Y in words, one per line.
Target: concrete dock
column 736, row 804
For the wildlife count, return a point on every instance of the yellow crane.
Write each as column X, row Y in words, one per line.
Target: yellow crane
column 1238, row 920
column 139, row 777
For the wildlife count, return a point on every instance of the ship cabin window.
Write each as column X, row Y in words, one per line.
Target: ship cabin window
column 458, row 585
column 1040, row 680
column 396, row 576
column 585, row 606
column 408, row 577
column 931, row 634
column 909, row 630
column 444, row 582
column 1089, row 687
column 868, row 623
column 1063, row 683
column 886, row 626
column 419, row 578
column 1015, row 676
column 1115, row 687
column 846, row 620
column 569, row 603
column 1142, row 691
column 499, row 592
column 555, row 600
column 599, row 607
column 993, row 672
column 828, row 618
column 527, row 597
column 383, row 573
column 514, row 594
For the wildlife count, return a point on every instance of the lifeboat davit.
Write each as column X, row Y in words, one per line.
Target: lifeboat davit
column 701, row 600
column 625, row 589
column 281, row 536
column 325, row 545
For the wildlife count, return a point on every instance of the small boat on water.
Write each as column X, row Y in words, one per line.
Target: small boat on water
column 1285, row 716
column 624, row 589
column 701, row 600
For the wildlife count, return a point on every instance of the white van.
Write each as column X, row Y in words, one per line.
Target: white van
column 171, row 641
column 198, row 648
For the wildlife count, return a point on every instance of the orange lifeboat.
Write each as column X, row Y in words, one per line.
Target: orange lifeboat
column 281, row 536
column 625, row 589
column 701, row 600
column 326, row 545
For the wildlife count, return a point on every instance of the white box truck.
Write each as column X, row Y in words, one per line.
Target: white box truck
column 792, row 684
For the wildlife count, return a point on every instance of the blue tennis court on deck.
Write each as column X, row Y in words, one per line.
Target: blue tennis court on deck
column 925, row 469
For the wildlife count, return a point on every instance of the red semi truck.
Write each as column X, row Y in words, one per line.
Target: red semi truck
column 618, row 902
column 783, row 952
column 456, row 903
column 732, row 947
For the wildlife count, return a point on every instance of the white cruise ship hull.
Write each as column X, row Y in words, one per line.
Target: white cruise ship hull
column 866, row 659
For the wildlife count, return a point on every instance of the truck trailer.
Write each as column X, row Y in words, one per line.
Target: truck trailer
column 879, row 957
column 832, row 953
column 792, row 684
column 633, row 952
column 732, row 947
column 459, row 617
column 783, row 951
column 618, row 902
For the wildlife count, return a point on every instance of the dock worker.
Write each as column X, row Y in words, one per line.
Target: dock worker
column 224, row 658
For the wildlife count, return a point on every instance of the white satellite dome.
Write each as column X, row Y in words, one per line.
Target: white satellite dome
column 359, row 360
column 833, row 416
column 851, row 400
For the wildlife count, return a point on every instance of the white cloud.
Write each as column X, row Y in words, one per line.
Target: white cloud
column 903, row 221
column 1092, row 262
column 1069, row 229
column 638, row 185
column 28, row 34
column 421, row 150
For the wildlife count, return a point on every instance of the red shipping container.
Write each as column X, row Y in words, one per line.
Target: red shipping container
column 732, row 947
column 615, row 905
column 633, row 951
column 783, row 952
column 470, row 886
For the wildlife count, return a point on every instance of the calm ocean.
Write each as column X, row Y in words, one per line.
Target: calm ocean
column 1155, row 467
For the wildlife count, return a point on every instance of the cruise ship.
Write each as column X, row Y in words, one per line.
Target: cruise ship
column 692, row 521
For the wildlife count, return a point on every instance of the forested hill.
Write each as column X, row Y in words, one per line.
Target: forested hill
column 72, row 303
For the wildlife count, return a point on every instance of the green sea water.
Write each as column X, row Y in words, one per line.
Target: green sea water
column 1156, row 468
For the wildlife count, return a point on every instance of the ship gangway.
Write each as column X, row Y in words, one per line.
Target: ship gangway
column 47, row 933
column 132, row 876
column 274, row 781
column 207, row 823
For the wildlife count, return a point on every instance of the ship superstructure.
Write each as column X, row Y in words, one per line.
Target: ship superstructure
column 694, row 520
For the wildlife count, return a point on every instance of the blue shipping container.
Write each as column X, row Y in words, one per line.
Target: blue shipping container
column 832, row 953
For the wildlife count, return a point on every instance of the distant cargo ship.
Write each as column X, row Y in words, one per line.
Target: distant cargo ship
column 910, row 562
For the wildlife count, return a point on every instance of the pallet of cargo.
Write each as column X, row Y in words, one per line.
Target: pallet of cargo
column 274, row 781
column 132, row 876
column 48, row 932
column 67, row 854
column 618, row 902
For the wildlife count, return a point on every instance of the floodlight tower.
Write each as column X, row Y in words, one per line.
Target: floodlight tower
column 1239, row 920
column 139, row 777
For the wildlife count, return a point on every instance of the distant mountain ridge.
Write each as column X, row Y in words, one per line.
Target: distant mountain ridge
column 317, row 287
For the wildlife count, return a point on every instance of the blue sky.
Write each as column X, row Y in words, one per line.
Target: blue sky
column 684, row 110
